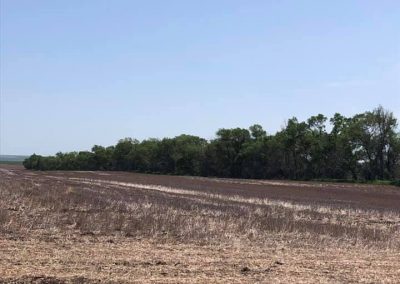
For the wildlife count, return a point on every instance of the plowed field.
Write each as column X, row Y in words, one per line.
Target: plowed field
column 91, row 227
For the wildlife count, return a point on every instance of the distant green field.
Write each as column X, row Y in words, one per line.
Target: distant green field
column 12, row 159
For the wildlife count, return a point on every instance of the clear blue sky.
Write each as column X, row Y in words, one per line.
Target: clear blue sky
column 79, row 73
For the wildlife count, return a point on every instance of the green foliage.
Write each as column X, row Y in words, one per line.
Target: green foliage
column 365, row 147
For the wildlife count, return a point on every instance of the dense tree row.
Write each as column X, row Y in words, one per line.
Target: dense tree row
column 363, row 147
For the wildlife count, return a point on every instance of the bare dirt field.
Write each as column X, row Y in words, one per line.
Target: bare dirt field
column 114, row 227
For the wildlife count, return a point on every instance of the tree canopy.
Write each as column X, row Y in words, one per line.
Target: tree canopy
column 363, row 147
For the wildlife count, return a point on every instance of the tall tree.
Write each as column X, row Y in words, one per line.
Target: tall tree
column 365, row 146
column 228, row 145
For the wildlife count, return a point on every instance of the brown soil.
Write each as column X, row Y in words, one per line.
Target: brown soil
column 91, row 227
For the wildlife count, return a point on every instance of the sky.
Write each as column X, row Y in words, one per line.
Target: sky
column 78, row 73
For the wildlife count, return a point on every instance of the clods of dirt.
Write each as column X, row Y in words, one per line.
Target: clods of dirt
column 160, row 262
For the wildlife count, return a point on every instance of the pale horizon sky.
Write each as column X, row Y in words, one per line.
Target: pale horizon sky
column 79, row 73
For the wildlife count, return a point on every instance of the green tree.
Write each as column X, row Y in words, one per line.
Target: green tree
column 228, row 145
column 365, row 146
column 189, row 154
column 121, row 154
column 318, row 139
column 103, row 157
column 297, row 145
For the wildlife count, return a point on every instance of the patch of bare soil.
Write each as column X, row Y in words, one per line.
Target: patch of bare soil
column 123, row 260
column 96, row 227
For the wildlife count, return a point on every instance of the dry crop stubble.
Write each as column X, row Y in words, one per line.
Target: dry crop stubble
column 129, row 227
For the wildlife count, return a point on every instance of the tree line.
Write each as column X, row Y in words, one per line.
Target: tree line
column 365, row 146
